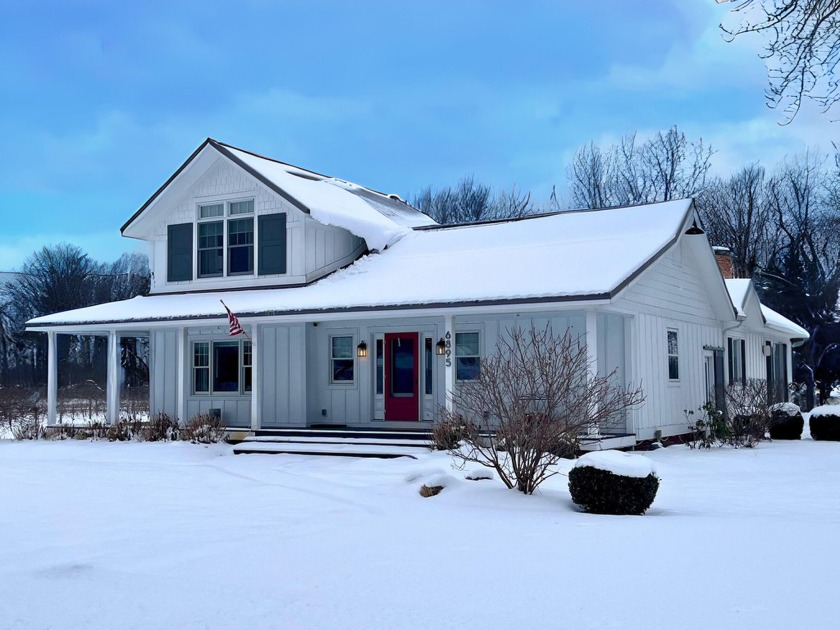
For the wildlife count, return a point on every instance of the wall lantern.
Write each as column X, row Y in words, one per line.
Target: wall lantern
column 440, row 347
column 361, row 350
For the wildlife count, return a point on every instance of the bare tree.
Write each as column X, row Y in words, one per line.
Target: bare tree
column 664, row 167
column 471, row 201
column 535, row 396
column 802, row 49
column 737, row 214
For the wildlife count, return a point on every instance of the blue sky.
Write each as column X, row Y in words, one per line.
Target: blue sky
column 101, row 101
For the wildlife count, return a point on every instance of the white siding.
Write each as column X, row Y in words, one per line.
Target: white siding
column 164, row 368
column 282, row 374
column 313, row 250
column 669, row 295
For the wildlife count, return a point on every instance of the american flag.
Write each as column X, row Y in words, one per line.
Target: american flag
column 235, row 327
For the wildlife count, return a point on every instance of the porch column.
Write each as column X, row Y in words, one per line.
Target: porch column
column 591, row 343
column 449, row 361
column 52, row 378
column 181, row 397
column 112, row 388
column 256, row 371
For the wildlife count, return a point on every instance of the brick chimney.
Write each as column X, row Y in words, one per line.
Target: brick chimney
column 723, row 255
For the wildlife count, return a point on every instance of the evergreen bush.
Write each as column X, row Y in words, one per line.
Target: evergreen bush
column 786, row 422
column 825, row 426
column 603, row 492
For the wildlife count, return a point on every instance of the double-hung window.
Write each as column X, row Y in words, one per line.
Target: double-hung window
column 221, row 367
column 342, row 361
column 467, row 356
column 226, row 231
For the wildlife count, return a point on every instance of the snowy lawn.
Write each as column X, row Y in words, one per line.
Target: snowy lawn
column 102, row 535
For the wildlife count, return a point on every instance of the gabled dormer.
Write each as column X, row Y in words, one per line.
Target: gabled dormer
column 228, row 218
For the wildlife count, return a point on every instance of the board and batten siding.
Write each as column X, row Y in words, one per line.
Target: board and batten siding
column 282, row 375
column 670, row 295
column 312, row 249
column 164, row 370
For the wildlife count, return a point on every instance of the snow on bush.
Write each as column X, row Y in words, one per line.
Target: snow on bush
column 785, row 408
column 825, row 423
column 611, row 482
column 618, row 463
column 786, row 422
column 478, row 475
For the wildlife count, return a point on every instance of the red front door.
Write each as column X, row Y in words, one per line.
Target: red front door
column 401, row 376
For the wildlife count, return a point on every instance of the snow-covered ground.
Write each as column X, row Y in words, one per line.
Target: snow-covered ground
column 116, row 535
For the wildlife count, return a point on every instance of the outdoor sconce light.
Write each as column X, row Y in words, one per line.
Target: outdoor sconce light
column 361, row 350
column 440, row 347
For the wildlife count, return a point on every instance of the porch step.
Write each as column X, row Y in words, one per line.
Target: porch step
column 337, row 442
column 332, row 449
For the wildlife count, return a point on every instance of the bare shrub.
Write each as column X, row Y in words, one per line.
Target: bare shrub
column 204, row 428
column 538, row 394
column 747, row 413
column 20, row 405
column 162, row 427
column 430, row 491
column 447, row 433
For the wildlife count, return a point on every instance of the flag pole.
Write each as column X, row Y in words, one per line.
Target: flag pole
column 233, row 318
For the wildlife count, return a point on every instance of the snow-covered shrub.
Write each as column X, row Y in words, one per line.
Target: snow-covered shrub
column 162, row 427
column 825, row 423
column 125, row 430
column 205, row 428
column 786, row 422
column 612, row 482
column 447, row 433
column 27, row 428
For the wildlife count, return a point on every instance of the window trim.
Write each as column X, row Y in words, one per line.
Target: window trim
column 332, row 358
column 675, row 355
column 457, row 356
column 210, row 344
column 225, row 218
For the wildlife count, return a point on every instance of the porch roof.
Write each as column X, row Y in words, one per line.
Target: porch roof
column 577, row 255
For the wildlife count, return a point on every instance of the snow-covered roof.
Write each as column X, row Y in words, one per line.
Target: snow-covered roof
column 588, row 254
column 741, row 288
column 378, row 218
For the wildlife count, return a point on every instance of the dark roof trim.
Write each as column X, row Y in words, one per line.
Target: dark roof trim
column 353, row 309
column 165, row 185
column 645, row 265
column 224, row 150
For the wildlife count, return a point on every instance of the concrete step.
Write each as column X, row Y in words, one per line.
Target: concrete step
column 382, row 451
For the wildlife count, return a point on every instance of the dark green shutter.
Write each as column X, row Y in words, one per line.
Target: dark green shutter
column 730, row 360
column 272, row 244
column 743, row 362
column 720, row 401
column 179, row 262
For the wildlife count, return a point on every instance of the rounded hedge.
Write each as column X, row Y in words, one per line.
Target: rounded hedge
column 825, row 427
column 603, row 492
column 786, row 427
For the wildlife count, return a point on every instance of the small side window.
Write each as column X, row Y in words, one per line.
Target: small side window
column 201, row 367
column 673, row 356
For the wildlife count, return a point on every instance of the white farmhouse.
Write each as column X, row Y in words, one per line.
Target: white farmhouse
column 360, row 311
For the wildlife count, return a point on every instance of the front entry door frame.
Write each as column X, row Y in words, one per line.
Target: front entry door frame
column 402, row 376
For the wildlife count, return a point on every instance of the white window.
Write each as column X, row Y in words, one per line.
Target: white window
column 342, row 360
column 737, row 361
column 221, row 238
column 673, row 356
column 222, row 367
column 467, row 356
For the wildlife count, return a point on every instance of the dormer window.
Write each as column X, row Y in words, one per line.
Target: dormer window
column 226, row 231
